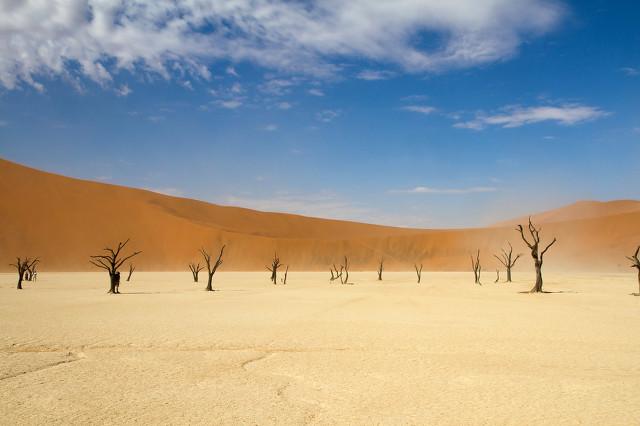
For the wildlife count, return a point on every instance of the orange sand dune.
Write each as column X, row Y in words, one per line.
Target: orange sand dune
column 64, row 220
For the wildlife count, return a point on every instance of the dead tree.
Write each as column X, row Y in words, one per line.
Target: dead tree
column 275, row 264
column 30, row 273
column 195, row 270
column 337, row 274
column 131, row 269
column 477, row 268
column 507, row 259
column 344, row 271
column 284, row 280
column 111, row 262
column 418, row 272
column 380, row 267
column 536, row 254
column 22, row 266
column 497, row 276
column 211, row 268
column 635, row 263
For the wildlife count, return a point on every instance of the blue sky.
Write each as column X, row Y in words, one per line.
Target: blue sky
column 409, row 113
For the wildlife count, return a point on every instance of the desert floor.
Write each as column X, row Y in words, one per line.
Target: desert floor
column 392, row 352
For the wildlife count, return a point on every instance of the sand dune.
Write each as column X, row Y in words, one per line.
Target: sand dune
column 63, row 220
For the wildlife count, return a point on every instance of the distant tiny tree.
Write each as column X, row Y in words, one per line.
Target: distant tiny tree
column 275, row 264
column 536, row 254
column 344, row 271
column 507, row 259
column 635, row 263
column 22, row 266
column 111, row 262
column 131, row 269
column 335, row 274
column 497, row 275
column 418, row 272
column 477, row 268
column 380, row 268
column 286, row 272
column 211, row 267
column 195, row 270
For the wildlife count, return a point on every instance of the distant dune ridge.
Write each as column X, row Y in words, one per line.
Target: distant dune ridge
column 64, row 220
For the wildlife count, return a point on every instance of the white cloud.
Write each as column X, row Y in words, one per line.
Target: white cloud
column 315, row 92
column 271, row 127
column 174, row 192
column 232, row 71
column 276, row 86
column 375, row 75
column 284, row 105
column 446, row 191
column 327, row 115
column 156, row 118
column 98, row 38
column 631, row 72
column 229, row 104
column 421, row 109
column 516, row 116
column 123, row 90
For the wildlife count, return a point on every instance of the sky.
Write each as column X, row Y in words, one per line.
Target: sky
column 409, row 113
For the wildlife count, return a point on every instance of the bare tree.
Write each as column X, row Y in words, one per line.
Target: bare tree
column 22, row 266
column 635, row 263
column 337, row 274
column 211, row 268
column 344, row 271
column 275, row 264
column 195, row 270
column 380, row 268
column 497, row 275
column 538, row 256
column 131, row 269
column 111, row 262
column 477, row 268
column 284, row 280
column 31, row 272
column 507, row 259
column 418, row 272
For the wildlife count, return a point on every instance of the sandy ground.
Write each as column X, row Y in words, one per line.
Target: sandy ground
column 443, row 352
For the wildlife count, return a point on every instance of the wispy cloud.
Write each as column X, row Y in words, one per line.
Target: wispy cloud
column 630, row 71
column 277, row 86
column 174, row 192
column 315, row 92
column 271, row 127
column 373, row 75
column 98, row 39
column 229, row 104
column 123, row 90
column 284, row 105
column 421, row 109
column 327, row 115
column 517, row 116
column 446, row 191
column 232, row 71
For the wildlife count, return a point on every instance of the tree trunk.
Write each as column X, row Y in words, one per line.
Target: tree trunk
column 537, row 288
column 209, row 283
column 19, row 282
column 195, row 277
column 508, row 275
column 113, row 280
column 638, row 281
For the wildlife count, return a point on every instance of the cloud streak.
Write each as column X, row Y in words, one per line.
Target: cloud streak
column 517, row 116
column 446, row 191
column 182, row 39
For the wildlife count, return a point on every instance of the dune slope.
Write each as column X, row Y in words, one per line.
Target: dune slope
column 64, row 220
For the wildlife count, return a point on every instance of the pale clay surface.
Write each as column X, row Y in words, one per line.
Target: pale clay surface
column 391, row 352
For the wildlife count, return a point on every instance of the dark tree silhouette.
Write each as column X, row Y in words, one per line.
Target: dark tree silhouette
column 31, row 272
column 536, row 254
column 497, row 275
column 418, row 272
column 380, row 268
column 337, row 274
column 22, row 266
column 344, row 271
column 211, row 268
column 477, row 268
column 195, row 270
column 635, row 263
column 131, row 269
column 507, row 259
column 275, row 264
column 286, row 272
column 111, row 262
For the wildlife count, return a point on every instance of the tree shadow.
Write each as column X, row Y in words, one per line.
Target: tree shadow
column 550, row 292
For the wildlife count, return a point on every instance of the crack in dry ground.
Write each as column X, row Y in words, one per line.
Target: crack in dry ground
column 72, row 358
